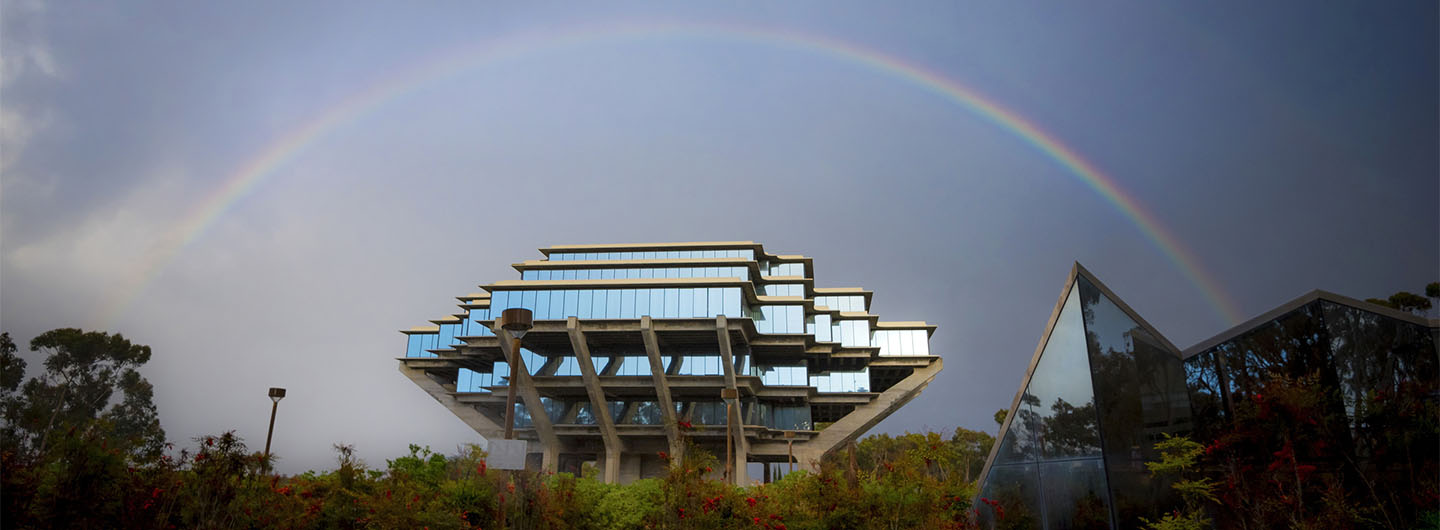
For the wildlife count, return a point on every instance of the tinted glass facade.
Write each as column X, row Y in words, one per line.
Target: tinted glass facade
column 1106, row 387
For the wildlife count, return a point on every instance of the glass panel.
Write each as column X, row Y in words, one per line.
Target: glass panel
column 642, row 302
column 612, row 303
column 1207, row 402
column 1140, row 386
column 542, row 305
column 1374, row 354
column 586, row 303
column 557, row 305
column 1075, row 495
column 672, row 303
column 627, row 303
column 572, row 302
column 702, row 302
column 1016, row 488
column 732, row 302
column 687, row 303
column 657, row 303
column 597, row 308
column 717, row 302
column 1060, row 390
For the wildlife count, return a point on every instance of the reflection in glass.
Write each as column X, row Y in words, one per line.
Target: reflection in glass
column 1017, row 490
column 1141, row 388
column 1060, row 395
column 1075, row 495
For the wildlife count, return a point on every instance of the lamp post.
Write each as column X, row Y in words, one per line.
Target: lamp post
column 276, row 394
column 517, row 321
column 730, row 395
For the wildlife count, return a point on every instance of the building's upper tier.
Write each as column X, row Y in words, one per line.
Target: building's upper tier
column 687, row 280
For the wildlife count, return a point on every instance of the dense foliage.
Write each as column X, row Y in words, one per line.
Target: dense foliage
column 219, row 484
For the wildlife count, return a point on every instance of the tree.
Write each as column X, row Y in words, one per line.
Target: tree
column 1000, row 416
column 973, row 447
column 12, row 368
column 77, row 393
column 1408, row 301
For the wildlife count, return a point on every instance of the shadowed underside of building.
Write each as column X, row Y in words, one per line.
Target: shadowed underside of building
column 632, row 346
column 1104, row 386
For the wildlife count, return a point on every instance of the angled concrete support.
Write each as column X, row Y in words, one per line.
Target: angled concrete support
column 662, row 389
column 484, row 425
column 736, row 421
column 520, row 377
column 864, row 417
column 598, row 406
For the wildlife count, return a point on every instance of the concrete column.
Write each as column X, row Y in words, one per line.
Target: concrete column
column 854, row 424
column 736, row 420
column 598, row 405
column 662, row 389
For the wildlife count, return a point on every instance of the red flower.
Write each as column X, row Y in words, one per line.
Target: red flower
column 750, row 500
column 663, row 455
column 707, row 469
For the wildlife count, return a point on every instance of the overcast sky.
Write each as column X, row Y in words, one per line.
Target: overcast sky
column 1287, row 147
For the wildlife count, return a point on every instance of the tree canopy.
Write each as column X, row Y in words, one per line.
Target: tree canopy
column 90, row 385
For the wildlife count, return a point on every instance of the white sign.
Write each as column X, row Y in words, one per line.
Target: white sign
column 506, row 454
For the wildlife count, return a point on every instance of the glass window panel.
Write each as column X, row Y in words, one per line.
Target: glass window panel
column 586, row 303
column 1060, row 393
column 572, row 303
column 702, row 302
column 642, row 302
column 542, row 305
column 1017, row 489
column 1075, row 493
column 612, row 303
column 627, row 303
column 672, row 303
column 557, row 305
column 647, row 273
column 597, row 306
column 414, row 345
column 717, row 302
column 1140, row 384
column 527, row 275
column 499, row 300
column 657, row 303
column 797, row 319
column 686, row 306
column 732, row 302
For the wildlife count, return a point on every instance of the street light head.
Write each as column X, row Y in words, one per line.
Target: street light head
column 276, row 394
column 517, row 320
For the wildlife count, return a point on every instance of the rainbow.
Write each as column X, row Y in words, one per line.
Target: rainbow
column 286, row 148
